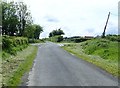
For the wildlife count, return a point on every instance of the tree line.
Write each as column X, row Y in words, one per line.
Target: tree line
column 17, row 21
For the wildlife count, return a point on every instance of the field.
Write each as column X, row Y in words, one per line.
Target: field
column 101, row 52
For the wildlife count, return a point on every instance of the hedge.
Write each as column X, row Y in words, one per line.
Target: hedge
column 12, row 44
column 58, row 38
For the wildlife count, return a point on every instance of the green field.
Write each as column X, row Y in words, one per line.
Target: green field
column 101, row 52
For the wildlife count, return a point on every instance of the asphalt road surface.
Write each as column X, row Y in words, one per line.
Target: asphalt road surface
column 54, row 66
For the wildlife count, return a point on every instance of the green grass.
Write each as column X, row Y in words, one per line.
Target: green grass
column 98, row 55
column 14, row 67
column 0, row 68
column 102, row 47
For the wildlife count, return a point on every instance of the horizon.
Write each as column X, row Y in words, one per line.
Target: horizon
column 74, row 17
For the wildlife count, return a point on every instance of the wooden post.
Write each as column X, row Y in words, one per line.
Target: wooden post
column 103, row 35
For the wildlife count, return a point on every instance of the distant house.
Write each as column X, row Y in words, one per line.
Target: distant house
column 88, row 37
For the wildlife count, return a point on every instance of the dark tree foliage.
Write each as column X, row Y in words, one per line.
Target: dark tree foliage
column 38, row 30
column 56, row 32
column 50, row 34
column 15, row 17
column 24, row 17
column 33, row 31
column 60, row 38
column 17, row 21
column 0, row 15
column 9, row 18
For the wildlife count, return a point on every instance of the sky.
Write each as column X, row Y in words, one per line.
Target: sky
column 74, row 17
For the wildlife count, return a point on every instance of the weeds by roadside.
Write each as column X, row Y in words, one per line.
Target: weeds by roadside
column 90, row 52
column 15, row 66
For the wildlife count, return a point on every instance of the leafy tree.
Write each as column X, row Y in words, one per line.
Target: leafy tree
column 60, row 38
column 55, row 35
column 60, row 32
column 15, row 17
column 56, row 32
column 9, row 18
column 24, row 17
column 17, row 20
column 0, row 14
column 50, row 34
column 29, row 31
column 33, row 31
column 38, row 30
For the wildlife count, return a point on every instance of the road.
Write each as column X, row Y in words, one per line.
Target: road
column 54, row 66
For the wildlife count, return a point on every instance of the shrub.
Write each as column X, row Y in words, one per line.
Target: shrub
column 58, row 38
column 113, row 37
column 36, row 41
column 11, row 44
column 77, row 40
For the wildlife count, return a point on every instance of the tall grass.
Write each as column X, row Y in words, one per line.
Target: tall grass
column 102, row 47
column 101, row 52
column 15, row 66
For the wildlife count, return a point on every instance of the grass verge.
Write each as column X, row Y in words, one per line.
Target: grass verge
column 108, row 65
column 15, row 66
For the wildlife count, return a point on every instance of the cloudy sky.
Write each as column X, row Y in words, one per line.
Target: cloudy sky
column 75, row 17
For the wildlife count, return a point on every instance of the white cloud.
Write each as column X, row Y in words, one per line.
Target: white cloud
column 75, row 17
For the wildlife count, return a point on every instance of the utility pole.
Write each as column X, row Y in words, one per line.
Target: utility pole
column 103, row 34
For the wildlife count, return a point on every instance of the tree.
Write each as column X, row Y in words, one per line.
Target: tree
column 59, row 38
column 0, row 14
column 56, row 32
column 15, row 17
column 9, row 18
column 17, row 21
column 24, row 17
column 33, row 31
column 50, row 34
column 55, row 35
column 38, row 30
column 60, row 32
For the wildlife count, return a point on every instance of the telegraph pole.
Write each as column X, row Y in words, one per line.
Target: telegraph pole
column 103, row 34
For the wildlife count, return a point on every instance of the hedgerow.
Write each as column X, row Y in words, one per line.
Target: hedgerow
column 11, row 44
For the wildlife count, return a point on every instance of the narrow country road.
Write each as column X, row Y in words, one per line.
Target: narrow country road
column 54, row 66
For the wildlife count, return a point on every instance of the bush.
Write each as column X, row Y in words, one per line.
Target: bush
column 13, row 44
column 36, row 41
column 113, row 37
column 58, row 38
column 77, row 40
